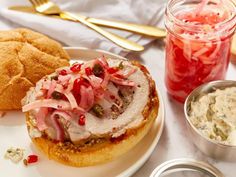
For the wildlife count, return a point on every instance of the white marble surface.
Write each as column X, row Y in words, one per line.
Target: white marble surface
column 174, row 142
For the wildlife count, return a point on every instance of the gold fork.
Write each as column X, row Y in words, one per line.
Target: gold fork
column 49, row 8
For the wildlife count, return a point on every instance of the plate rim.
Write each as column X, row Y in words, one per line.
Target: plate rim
column 139, row 163
column 96, row 50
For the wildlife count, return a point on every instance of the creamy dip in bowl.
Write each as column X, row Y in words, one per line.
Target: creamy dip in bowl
column 210, row 112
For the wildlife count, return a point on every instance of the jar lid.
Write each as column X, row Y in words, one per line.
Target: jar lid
column 185, row 165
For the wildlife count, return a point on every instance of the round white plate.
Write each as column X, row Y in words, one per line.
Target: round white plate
column 13, row 133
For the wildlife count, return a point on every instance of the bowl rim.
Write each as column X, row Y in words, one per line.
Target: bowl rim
column 215, row 83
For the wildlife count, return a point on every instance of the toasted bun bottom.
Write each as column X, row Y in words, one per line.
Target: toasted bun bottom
column 97, row 153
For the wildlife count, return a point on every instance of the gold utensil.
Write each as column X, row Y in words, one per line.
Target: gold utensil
column 135, row 28
column 48, row 8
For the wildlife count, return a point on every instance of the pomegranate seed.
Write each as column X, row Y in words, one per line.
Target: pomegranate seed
column 64, row 97
column 112, row 70
column 88, row 71
column 81, row 119
column 63, row 72
column 112, row 97
column 78, row 83
column 32, row 159
column 51, row 109
column 65, row 85
column 75, row 68
column 76, row 88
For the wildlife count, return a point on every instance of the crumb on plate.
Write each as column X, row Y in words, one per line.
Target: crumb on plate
column 14, row 154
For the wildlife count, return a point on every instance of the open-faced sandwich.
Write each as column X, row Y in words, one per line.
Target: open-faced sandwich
column 91, row 112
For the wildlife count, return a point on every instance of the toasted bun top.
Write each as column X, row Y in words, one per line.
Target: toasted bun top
column 25, row 57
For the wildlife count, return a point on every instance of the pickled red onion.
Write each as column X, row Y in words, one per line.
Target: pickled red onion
column 94, row 80
column 59, row 88
column 200, row 52
column 122, row 81
column 59, row 130
column 50, row 103
column 84, row 97
column 46, row 84
column 40, row 118
column 64, row 79
column 127, row 72
column 213, row 73
column 68, row 71
column 207, row 25
column 187, row 50
column 103, row 62
column 51, row 88
column 72, row 100
column 40, row 94
column 201, row 6
column 105, row 79
column 63, row 114
column 70, row 85
column 214, row 53
column 90, row 97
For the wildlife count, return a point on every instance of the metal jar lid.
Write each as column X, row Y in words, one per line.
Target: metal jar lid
column 184, row 164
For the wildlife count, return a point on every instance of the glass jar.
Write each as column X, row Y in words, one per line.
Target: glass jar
column 199, row 34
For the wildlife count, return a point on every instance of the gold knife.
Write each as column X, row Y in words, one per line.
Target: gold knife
column 136, row 28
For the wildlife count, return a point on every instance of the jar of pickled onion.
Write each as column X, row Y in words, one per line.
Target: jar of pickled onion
column 199, row 34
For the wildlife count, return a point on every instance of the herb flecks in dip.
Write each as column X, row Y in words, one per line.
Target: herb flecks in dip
column 214, row 115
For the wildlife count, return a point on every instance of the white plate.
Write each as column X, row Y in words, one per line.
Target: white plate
column 13, row 133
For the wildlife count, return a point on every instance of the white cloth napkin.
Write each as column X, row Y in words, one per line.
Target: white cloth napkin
column 148, row 12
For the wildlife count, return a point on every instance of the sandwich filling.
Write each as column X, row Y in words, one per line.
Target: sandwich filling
column 99, row 98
